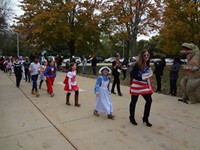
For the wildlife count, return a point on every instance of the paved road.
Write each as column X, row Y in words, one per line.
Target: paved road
column 30, row 123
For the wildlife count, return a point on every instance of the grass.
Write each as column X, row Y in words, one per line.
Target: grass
column 165, row 79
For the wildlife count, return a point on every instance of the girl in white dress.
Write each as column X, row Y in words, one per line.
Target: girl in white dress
column 103, row 100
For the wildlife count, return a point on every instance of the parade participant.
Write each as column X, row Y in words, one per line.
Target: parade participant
column 18, row 71
column 42, row 69
column 9, row 66
column 71, row 85
column 141, row 84
column 26, row 65
column 50, row 73
column 116, row 70
column 103, row 100
column 34, row 69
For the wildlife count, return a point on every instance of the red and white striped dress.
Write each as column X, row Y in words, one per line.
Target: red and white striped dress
column 70, row 82
column 141, row 87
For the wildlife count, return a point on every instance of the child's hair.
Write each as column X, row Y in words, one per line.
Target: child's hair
column 49, row 62
column 70, row 66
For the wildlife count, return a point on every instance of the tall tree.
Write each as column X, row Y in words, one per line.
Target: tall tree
column 59, row 23
column 181, row 23
column 132, row 18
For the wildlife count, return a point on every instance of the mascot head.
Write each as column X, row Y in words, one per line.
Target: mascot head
column 189, row 48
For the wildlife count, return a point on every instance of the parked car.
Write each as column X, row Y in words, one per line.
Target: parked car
column 99, row 59
column 169, row 60
column 109, row 60
column 153, row 60
column 183, row 61
column 77, row 60
column 121, row 60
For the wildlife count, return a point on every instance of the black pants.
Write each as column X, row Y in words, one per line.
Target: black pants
column 173, row 87
column 27, row 75
column 158, row 80
column 94, row 70
column 116, row 81
column 18, row 78
column 147, row 106
column 124, row 73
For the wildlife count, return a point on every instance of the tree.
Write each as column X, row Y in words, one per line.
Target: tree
column 131, row 18
column 60, row 24
column 181, row 23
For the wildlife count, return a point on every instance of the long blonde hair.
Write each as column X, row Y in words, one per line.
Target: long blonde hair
column 141, row 61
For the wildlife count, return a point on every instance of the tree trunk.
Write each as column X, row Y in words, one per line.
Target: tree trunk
column 71, row 44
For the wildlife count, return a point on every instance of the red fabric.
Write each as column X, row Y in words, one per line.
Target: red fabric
column 50, row 82
column 141, row 87
column 73, row 87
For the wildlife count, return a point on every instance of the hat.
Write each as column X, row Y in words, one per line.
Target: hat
column 104, row 67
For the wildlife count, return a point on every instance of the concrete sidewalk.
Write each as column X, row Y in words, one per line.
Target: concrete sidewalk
column 27, row 122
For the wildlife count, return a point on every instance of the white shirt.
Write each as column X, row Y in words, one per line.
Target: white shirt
column 34, row 68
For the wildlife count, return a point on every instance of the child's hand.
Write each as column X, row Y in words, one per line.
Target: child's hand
column 97, row 94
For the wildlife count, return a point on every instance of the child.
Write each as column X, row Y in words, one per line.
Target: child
column 103, row 100
column 50, row 73
column 18, row 71
column 9, row 66
column 71, row 85
column 34, row 69
column 42, row 69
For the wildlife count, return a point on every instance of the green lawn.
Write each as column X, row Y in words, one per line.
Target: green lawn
column 165, row 79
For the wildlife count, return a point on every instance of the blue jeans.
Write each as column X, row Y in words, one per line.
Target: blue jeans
column 34, row 80
column 84, row 69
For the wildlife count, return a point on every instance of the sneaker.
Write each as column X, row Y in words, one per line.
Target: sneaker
column 52, row 95
column 111, row 117
column 37, row 94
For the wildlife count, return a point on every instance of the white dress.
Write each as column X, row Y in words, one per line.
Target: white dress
column 103, row 100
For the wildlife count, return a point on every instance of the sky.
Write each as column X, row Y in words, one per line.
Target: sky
column 18, row 11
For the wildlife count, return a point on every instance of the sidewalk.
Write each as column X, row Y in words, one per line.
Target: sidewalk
column 27, row 122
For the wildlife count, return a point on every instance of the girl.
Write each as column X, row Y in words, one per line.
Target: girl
column 34, row 69
column 141, row 85
column 42, row 69
column 71, row 85
column 50, row 73
column 18, row 71
column 103, row 100
column 9, row 66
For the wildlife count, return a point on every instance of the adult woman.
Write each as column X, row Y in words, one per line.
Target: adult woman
column 116, row 70
column 141, row 85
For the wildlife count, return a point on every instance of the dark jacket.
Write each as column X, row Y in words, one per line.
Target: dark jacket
column 17, row 68
column 159, row 67
column 94, row 61
column 174, row 71
column 115, row 71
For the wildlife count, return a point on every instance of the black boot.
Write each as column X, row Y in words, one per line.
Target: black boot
column 146, row 121
column 67, row 99
column 76, row 101
column 132, row 120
